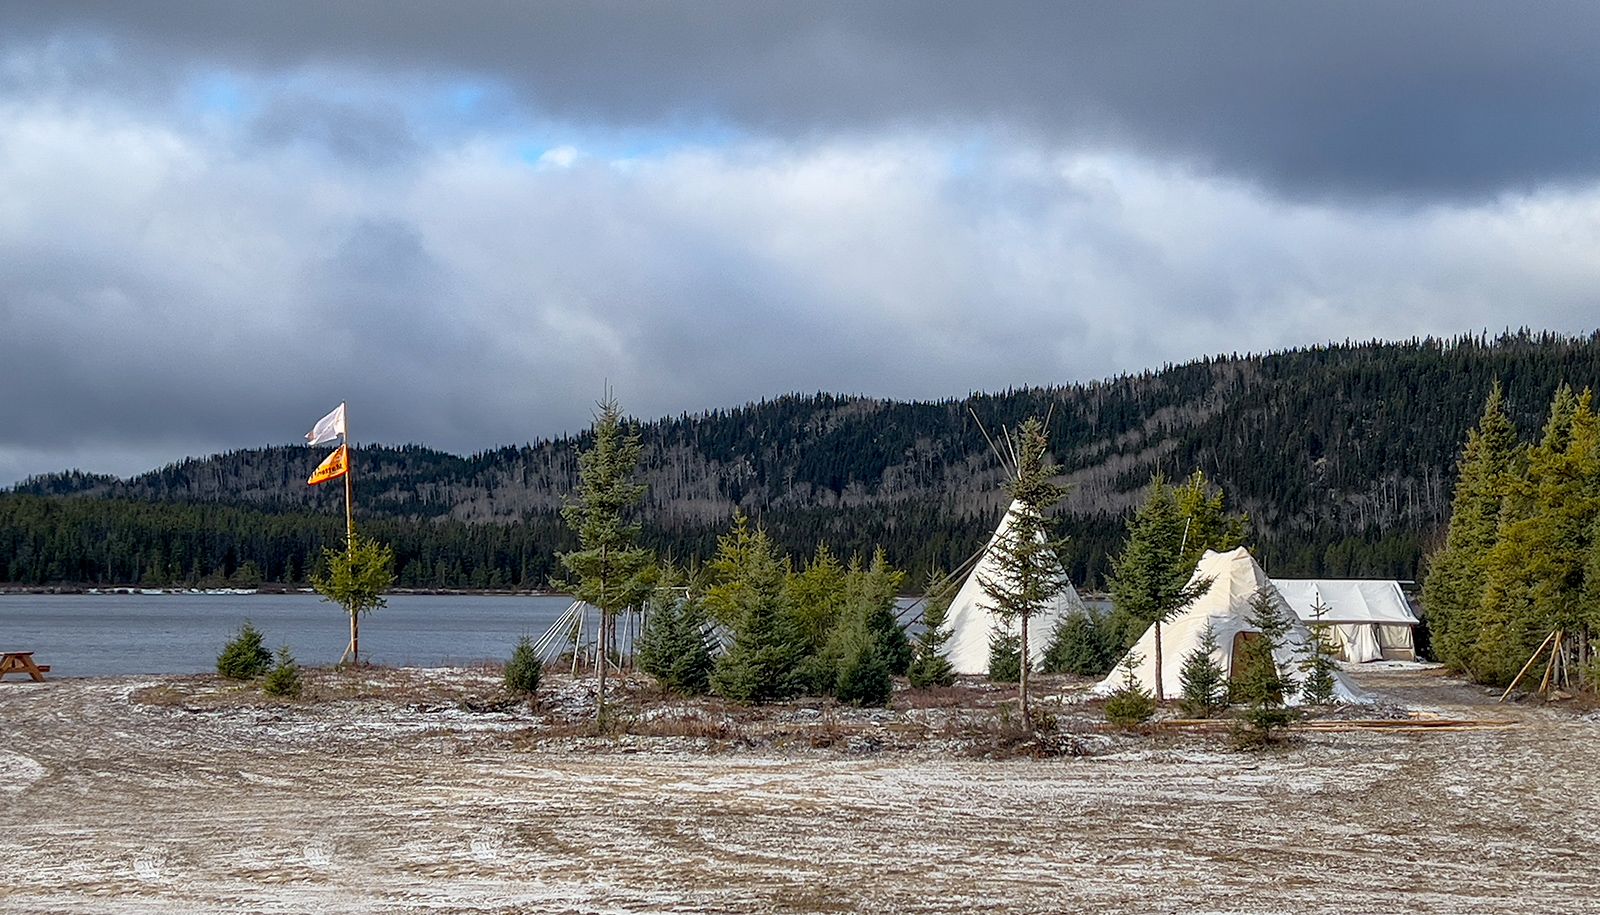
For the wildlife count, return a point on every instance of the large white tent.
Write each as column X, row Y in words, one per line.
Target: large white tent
column 970, row 621
column 1225, row 606
column 1370, row 619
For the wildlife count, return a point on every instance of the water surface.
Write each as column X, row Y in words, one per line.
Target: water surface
column 91, row 635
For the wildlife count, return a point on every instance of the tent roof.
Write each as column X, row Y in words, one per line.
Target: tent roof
column 1349, row 600
column 1225, row 607
column 971, row 622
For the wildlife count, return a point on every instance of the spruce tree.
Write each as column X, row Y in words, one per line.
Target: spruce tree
column 1261, row 686
column 818, row 595
column 1534, row 583
column 864, row 677
column 876, row 589
column 608, row 570
column 1316, row 661
column 1208, row 525
column 1205, row 684
column 356, row 578
column 1150, row 579
column 675, row 647
column 1029, row 577
column 1453, row 589
column 523, row 671
column 930, row 667
column 245, row 657
column 1130, row 704
column 1005, row 656
column 283, row 680
column 1081, row 645
column 762, row 663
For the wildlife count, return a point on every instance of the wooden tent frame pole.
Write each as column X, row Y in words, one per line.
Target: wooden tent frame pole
column 1551, row 666
column 1521, row 673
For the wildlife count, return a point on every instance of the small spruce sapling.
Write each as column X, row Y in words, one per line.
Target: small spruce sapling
column 676, row 645
column 1261, row 685
column 1080, row 645
column 878, row 590
column 1131, row 704
column 1317, row 662
column 930, row 666
column 1205, row 685
column 864, row 677
column 523, row 671
column 284, row 679
column 1005, row 656
column 356, row 579
column 245, row 657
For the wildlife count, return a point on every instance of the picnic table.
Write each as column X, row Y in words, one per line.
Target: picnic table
column 21, row 662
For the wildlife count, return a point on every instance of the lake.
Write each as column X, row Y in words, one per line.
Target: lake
column 95, row 635
column 99, row 635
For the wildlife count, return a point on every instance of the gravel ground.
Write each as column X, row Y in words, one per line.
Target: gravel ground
column 420, row 791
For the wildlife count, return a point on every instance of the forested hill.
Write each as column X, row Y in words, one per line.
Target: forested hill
column 1342, row 455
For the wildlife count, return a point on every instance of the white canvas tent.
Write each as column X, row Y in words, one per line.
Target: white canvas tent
column 970, row 623
column 1226, row 607
column 1370, row 619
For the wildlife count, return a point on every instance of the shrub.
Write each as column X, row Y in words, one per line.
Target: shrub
column 1130, row 705
column 1005, row 656
column 523, row 670
column 245, row 657
column 1081, row 645
column 864, row 677
column 284, row 679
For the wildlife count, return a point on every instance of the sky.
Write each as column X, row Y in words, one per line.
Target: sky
column 220, row 219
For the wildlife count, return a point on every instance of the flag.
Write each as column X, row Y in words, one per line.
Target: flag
column 327, row 428
column 332, row 467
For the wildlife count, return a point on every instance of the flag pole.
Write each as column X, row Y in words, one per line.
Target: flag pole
column 349, row 485
column 350, row 525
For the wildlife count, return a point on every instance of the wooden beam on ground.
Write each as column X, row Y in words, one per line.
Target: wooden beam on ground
column 1354, row 724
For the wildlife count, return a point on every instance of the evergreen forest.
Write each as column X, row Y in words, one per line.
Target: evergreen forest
column 1343, row 457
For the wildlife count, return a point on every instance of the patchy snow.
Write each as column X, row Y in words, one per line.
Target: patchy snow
column 17, row 772
column 428, row 796
column 1389, row 665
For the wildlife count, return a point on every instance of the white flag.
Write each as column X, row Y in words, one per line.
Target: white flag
column 327, row 428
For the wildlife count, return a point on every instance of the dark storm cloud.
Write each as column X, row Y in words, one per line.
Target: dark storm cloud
column 220, row 219
column 1413, row 99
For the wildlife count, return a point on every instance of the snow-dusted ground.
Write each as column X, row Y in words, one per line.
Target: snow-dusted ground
column 128, row 795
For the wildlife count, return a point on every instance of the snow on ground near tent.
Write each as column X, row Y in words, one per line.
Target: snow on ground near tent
column 405, row 791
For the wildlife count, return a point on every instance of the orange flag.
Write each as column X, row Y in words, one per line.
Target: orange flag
column 332, row 467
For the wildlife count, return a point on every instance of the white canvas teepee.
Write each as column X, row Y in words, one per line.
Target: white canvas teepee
column 970, row 622
column 1236, row 577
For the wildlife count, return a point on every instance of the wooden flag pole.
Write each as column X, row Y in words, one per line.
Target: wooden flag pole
column 350, row 525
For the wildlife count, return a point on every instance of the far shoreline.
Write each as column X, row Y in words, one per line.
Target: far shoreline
column 135, row 590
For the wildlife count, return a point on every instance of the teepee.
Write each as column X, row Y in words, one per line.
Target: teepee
column 970, row 622
column 1236, row 578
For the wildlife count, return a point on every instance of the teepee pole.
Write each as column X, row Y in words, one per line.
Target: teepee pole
column 1531, row 658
